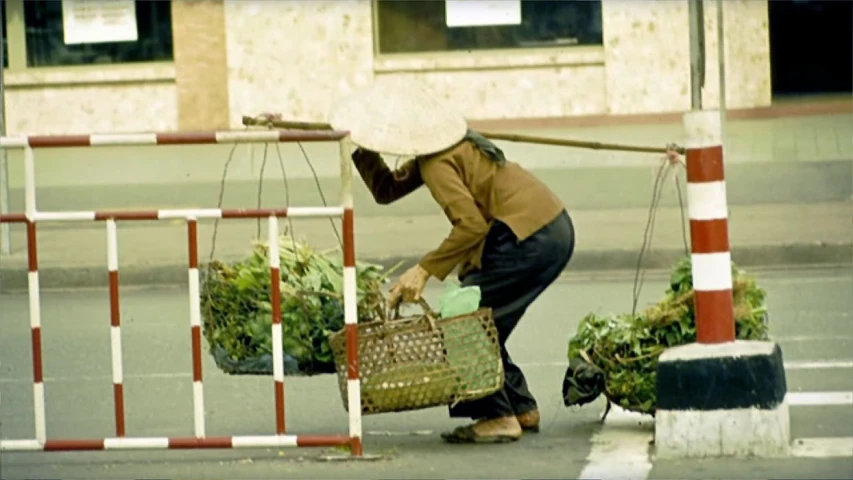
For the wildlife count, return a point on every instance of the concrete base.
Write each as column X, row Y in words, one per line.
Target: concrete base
column 744, row 432
column 722, row 400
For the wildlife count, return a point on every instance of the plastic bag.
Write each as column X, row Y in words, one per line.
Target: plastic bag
column 263, row 365
column 458, row 300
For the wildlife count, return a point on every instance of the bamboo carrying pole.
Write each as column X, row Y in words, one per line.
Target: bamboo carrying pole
column 262, row 121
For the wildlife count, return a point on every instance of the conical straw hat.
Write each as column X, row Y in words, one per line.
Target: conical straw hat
column 399, row 117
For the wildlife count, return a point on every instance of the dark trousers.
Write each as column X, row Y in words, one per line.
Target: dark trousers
column 512, row 276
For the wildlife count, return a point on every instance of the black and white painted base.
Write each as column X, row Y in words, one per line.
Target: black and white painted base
column 725, row 399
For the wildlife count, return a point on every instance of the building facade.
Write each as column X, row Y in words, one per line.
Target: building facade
column 203, row 64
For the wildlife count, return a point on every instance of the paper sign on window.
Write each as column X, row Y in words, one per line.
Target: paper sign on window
column 476, row 13
column 99, row 21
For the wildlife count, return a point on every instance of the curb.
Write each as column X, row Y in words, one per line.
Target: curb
column 15, row 279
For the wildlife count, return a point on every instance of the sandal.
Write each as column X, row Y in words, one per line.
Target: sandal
column 529, row 421
column 467, row 434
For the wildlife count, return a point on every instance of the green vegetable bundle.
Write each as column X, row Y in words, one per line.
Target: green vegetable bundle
column 237, row 312
column 626, row 347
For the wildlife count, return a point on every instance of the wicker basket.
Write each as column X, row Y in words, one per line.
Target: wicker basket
column 423, row 361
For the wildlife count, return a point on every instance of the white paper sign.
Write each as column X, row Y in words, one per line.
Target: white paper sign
column 98, row 21
column 476, row 13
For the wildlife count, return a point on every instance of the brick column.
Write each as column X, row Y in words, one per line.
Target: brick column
column 201, row 67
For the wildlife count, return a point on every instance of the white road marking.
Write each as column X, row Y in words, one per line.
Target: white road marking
column 789, row 365
column 804, row 281
column 820, row 365
column 814, row 338
column 804, row 399
column 620, row 449
column 822, row 447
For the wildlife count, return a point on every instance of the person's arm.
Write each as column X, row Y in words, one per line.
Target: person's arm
column 469, row 226
column 381, row 181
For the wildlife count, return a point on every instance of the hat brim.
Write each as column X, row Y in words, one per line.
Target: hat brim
column 399, row 117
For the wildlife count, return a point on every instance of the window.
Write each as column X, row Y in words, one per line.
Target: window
column 45, row 37
column 3, row 27
column 406, row 26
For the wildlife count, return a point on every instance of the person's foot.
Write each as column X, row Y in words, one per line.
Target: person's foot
column 529, row 421
column 497, row 430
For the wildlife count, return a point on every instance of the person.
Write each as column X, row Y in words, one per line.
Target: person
column 511, row 236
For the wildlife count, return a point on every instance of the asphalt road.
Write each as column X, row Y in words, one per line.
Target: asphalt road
column 811, row 315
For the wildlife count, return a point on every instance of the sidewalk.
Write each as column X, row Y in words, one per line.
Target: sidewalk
column 74, row 255
column 781, row 159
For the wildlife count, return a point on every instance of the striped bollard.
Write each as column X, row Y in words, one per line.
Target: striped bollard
column 709, row 230
column 718, row 396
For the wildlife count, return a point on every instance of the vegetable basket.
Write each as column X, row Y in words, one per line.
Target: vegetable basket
column 422, row 361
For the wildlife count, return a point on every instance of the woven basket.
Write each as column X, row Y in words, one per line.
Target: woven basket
column 423, row 361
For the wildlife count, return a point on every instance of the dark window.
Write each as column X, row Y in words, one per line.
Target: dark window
column 46, row 44
column 3, row 27
column 406, row 26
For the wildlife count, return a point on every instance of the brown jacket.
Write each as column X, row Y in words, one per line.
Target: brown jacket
column 473, row 191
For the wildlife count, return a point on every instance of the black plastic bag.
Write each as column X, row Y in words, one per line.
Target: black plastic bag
column 583, row 383
column 263, row 365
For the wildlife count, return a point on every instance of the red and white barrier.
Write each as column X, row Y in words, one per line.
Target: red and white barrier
column 180, row 443
column 195, row 327
column 115, row 327
column 31, row 217
column 277, row 340
column 350, row 298
column 709, row 228
column 170, row 138
column 167, row 214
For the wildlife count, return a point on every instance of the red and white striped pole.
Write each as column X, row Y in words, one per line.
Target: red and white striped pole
column 277, row 336
column 351, row 303
column 115, row 327
column 34, row 294
column 195, row 327
column 709, row 229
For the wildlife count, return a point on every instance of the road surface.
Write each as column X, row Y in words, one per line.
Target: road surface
column 811, row 315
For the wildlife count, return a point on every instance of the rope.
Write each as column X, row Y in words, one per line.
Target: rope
column 269, row 122
column 290, row 228
column 261, row 188
column 316, row 182
column 667, row 164
column 224, row 176
column 286, row 199
column 221, row 197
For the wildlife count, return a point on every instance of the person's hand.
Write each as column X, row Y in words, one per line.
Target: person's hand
column 409, row 286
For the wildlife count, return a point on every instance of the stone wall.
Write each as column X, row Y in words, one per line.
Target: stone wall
column 643, row 66
column 244, row 57
column 125, row 99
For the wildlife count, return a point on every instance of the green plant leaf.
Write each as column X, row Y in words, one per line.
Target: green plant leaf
column 627, row 347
